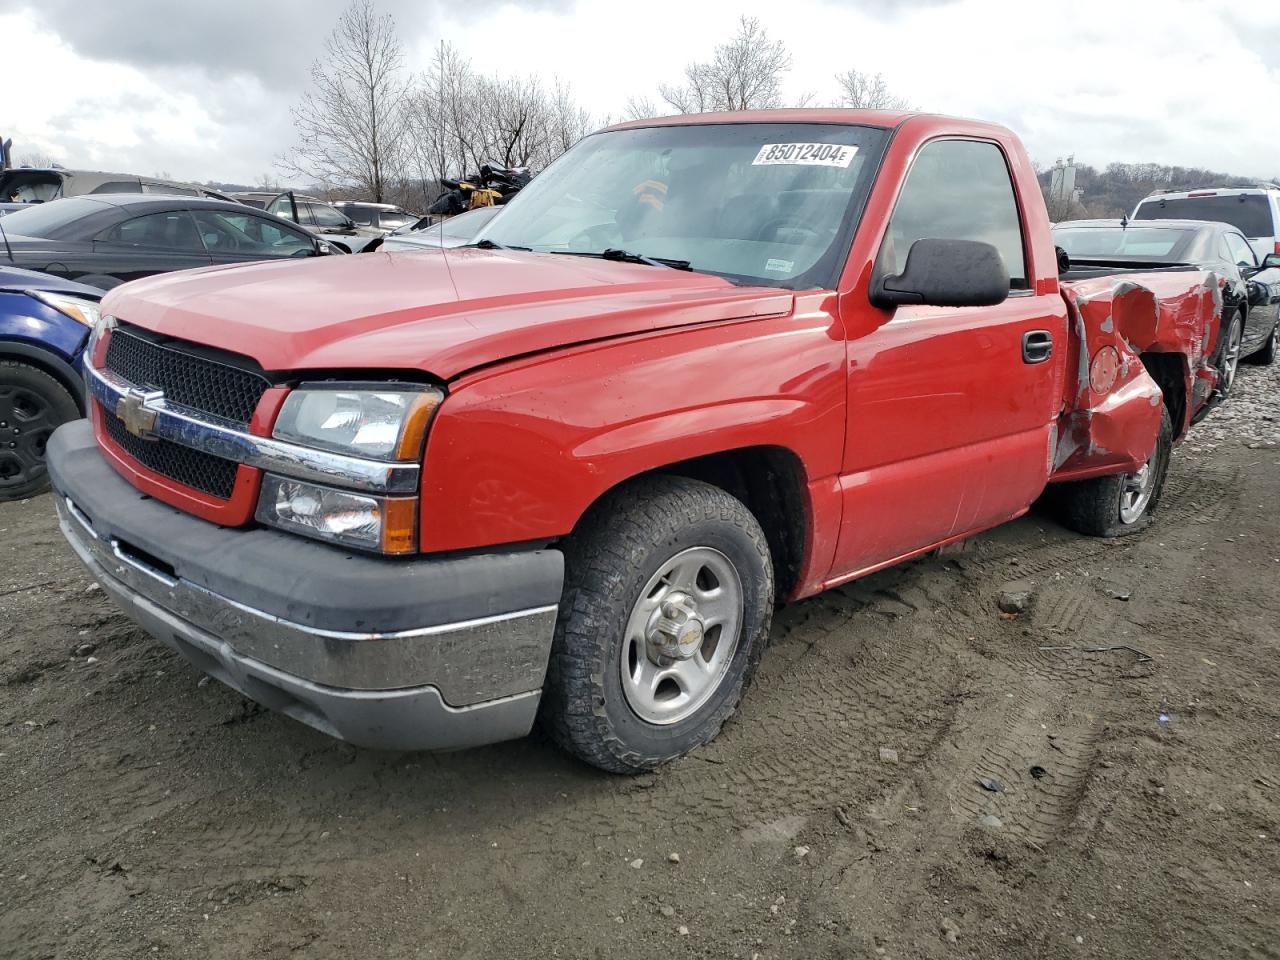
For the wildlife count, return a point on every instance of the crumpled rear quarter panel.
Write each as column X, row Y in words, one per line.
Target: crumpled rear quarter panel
column 1115, row 430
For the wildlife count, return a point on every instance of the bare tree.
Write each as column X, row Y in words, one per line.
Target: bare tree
column 744, row 74
column 351, row 126
column 867, row 92
column 640, row 108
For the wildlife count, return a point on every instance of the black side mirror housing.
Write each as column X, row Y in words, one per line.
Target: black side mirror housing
column 1270, row 260
column 946, row 273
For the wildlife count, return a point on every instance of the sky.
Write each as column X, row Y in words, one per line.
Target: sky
column 202, row 91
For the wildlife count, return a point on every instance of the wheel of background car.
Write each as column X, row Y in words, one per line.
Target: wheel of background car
column 32, row 405
column 1228, row 361
column 1266, row 354
column 1121, row 504
column 667, row 601
column 770, row 229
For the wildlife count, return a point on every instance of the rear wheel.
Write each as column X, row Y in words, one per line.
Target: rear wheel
column 1267, row 355
column 32, row 405
column 667, row 602
column 1118, row 505
column 1229, row 357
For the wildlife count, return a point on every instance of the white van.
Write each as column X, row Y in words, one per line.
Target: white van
column 1254, row 211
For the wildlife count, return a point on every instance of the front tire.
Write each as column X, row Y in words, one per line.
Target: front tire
column 666, row 609
column 32, row 405
column 1121, row 504
column 1229, row 357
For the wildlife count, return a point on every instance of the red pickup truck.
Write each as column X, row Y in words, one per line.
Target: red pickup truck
column 416, row 500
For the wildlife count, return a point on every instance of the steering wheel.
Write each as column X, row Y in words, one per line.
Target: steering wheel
column 770, row 229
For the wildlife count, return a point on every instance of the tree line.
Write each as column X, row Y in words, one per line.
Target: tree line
column 367, row 124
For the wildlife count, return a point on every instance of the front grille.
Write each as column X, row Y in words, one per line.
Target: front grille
column 195, row 381
column 192, row 468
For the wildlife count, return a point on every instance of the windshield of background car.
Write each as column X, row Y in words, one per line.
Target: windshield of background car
column 393, row 219
column 361, row 215
column 1250, row 213
column 327, row 216
column 1137, row 243
column 47, row 220
column 772, row 203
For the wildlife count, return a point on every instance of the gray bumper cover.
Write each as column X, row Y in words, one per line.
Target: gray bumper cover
column 408, row 654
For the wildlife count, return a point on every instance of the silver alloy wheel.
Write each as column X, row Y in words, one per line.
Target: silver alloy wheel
column 1231, row 358
column 1137, row 491
column 681, row 636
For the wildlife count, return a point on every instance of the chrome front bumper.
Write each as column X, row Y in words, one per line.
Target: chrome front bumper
column 416, row 685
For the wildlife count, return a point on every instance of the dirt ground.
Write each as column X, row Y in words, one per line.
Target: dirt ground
column 1130, row 717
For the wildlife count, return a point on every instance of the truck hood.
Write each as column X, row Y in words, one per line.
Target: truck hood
column 423, row 311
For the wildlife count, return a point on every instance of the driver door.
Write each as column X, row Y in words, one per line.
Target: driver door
column 951, row 414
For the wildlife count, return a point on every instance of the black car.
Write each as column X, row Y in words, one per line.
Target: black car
column 106, row 240
column 1251, row 298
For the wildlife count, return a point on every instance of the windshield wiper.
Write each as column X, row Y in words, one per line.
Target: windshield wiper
column 488, row 244
column 626, row 256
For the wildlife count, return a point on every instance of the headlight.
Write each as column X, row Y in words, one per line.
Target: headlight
column 368, row 420
column 77, row 308
column 105, row 324
column 381, row 524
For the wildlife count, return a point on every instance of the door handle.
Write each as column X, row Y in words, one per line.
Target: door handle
column 1037, row 346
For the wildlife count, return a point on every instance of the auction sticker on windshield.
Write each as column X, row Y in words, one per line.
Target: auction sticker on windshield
column 807, row 154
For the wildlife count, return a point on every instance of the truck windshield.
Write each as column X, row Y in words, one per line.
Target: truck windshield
column 771, row 203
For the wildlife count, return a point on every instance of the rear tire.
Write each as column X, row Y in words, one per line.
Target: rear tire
column 1267, row 354
column 1122, row 504
column 32, row 405
column 667, row 601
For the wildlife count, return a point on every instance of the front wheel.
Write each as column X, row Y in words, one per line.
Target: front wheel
column 667, row 602
column 32, row 405
column 1229, row 357
column 1121, row 504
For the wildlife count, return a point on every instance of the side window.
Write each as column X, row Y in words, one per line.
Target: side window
column 327, row 216
column 281, row 207
column 169, row 190
column 246, row 234
column 174, row 231
column 1239, row 250
column 118, row 186
column 957, row 190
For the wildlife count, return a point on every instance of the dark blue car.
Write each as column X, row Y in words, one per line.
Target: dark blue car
column 44, row 323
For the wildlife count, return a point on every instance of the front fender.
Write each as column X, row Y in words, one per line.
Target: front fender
column 519, row 453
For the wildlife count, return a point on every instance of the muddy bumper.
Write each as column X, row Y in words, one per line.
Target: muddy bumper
column 419, row 654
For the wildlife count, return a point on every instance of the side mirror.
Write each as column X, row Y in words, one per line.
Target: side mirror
column 1270, row 260
column 946, row 273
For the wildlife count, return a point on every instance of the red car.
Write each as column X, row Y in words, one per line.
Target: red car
column 700, row 365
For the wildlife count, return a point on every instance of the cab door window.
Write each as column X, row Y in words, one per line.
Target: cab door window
column 957, row 190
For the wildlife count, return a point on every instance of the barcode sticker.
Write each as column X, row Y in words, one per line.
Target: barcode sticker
column 806, row 154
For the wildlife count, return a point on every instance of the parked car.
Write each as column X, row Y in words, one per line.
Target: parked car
column 44, row 323
column 382, row 217
column 323, row 220
column 1254, row 211
column 698, row 364
column 106, row 240
column 1251, row 297
column 42, row 184
column 449, row 232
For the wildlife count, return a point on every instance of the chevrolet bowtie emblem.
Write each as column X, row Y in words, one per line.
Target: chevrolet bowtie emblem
column 132, row 411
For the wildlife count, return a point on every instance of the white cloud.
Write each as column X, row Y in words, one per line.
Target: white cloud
column 1190, row 82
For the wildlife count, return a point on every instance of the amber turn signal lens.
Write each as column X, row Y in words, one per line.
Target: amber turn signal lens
column 400, row 525
column 415, row 426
